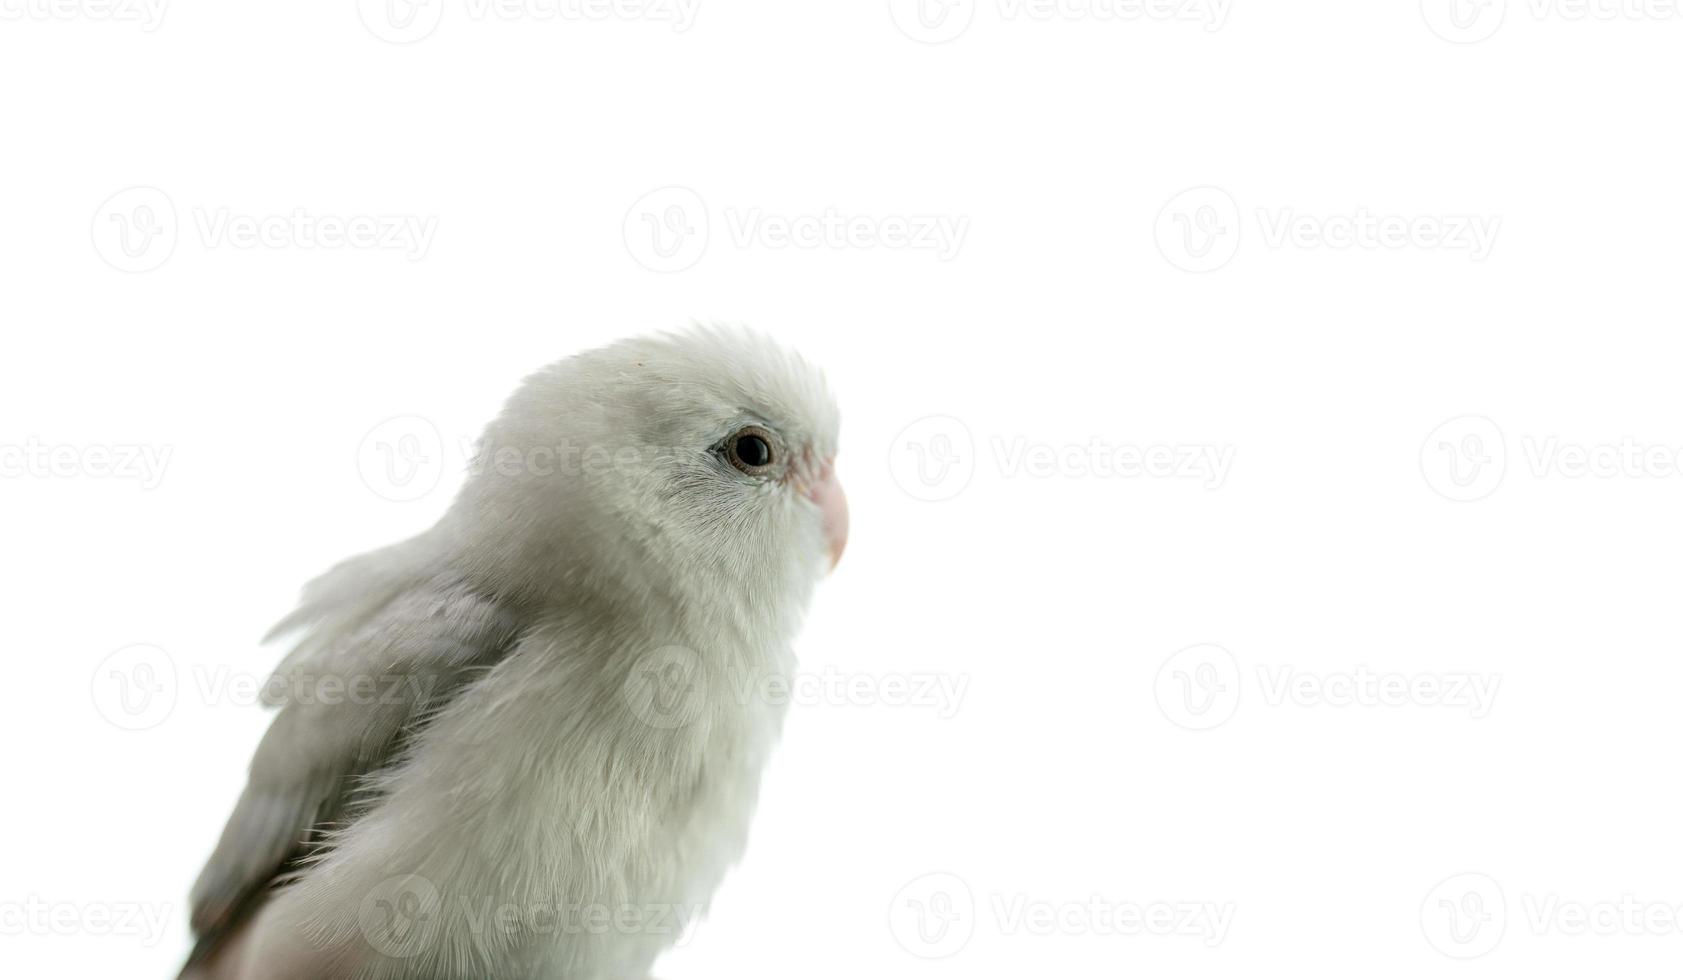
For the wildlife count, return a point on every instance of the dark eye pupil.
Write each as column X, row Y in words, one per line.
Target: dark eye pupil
column 753, row 451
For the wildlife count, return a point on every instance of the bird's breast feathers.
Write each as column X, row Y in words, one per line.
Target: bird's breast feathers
column 579, row 783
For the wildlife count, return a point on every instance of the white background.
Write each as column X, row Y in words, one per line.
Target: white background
column 1364, row 366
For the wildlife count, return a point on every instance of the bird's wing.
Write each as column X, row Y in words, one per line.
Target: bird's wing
column 351, row 700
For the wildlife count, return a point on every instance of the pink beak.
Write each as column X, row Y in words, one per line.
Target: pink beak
column 832, row 506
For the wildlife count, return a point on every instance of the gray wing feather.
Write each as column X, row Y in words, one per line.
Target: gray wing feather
column 393, row 654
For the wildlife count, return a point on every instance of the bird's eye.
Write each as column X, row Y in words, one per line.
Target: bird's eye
column 751, row 450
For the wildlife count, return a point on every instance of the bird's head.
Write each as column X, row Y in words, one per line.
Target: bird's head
column 698, row 464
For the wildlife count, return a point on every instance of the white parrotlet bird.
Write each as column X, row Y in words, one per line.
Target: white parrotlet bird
column 527, row 742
